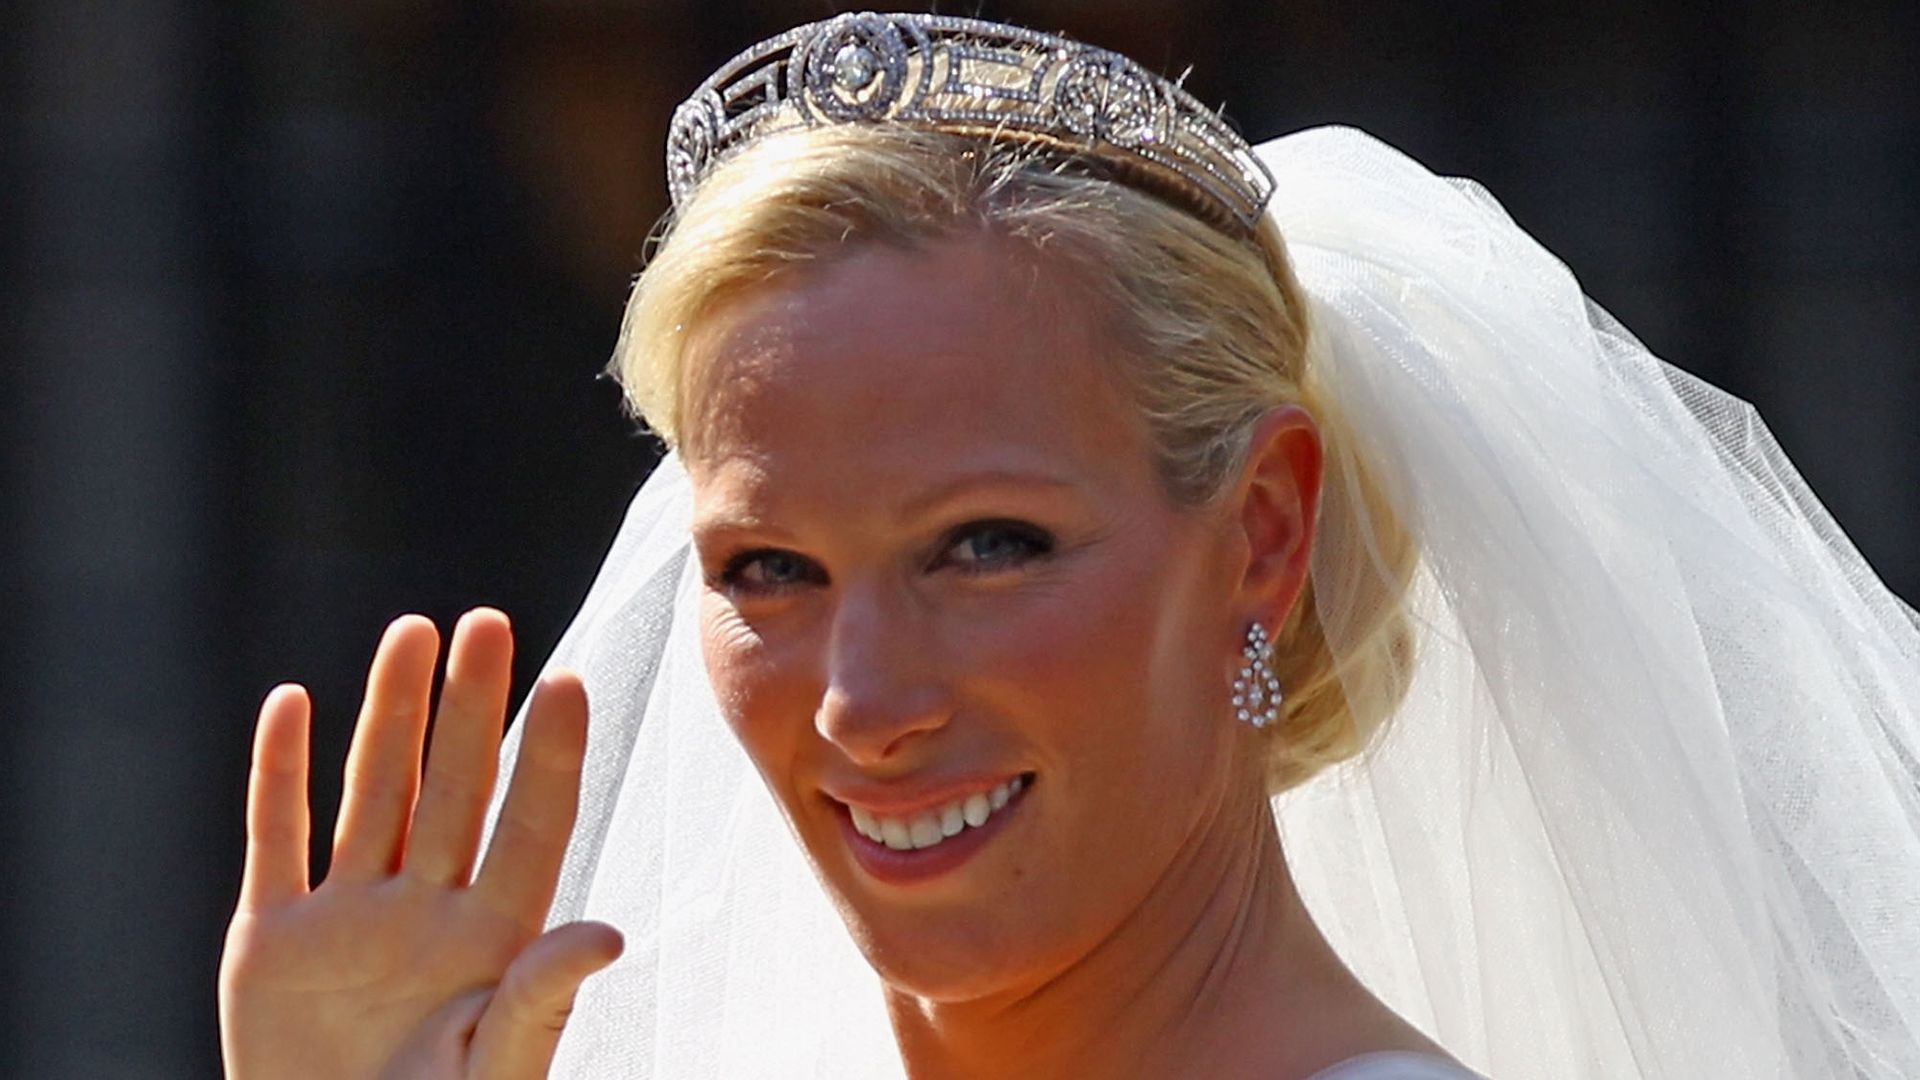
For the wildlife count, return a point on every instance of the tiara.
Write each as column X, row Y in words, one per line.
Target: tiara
column 967, row 76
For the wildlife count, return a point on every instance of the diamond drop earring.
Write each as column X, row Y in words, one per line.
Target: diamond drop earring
column 1256, row 693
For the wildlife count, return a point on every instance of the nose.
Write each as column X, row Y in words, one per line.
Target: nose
column 883, row 685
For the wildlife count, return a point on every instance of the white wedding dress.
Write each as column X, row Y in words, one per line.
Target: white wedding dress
column 1396, row 1065
column 1651, row 809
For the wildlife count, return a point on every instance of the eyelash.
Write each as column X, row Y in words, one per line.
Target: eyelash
column 1035, row 543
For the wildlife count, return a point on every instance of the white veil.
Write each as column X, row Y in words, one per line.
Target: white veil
column 1652, row 808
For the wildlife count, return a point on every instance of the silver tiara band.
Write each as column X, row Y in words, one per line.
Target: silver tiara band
column 969, row 76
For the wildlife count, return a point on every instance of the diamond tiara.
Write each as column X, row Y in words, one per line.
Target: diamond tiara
column 968, row 76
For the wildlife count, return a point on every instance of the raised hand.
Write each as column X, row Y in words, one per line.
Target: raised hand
column 405, row 962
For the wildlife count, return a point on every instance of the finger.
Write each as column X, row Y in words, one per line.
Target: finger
column 464, row 757
column 536, row 818
column 278, row 821
column 521, row 1027
column 383, row 765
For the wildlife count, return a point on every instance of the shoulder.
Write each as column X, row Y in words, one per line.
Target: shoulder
column 1396, row 1065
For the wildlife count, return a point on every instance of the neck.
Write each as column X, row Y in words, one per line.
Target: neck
column 1218, row 972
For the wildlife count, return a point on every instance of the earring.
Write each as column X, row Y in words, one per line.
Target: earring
column 1256, row 693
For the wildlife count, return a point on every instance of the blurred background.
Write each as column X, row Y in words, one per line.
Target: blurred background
column 309, row 300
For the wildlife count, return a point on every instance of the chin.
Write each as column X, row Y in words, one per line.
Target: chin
column 944, row 924
column 966, row 959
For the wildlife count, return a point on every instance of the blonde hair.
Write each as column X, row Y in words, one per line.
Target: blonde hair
column 1217, row 323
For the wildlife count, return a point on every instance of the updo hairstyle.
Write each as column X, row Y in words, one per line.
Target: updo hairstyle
column 1214, row 329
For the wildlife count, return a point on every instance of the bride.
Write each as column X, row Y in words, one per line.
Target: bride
column 1200, row 611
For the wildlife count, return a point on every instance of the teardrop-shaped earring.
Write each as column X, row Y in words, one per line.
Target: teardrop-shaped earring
column 1256, row 693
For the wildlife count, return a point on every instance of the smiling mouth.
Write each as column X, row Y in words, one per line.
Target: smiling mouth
column 931, row 828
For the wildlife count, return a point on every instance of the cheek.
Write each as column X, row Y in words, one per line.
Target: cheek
column 1105, row 667
column 754, row 688
column 728, row 647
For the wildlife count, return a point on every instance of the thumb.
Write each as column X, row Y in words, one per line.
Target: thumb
column 517, row 1034
column 438, row 1047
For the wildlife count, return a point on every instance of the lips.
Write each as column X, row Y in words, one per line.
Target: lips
column 929, row 828
column 900, row 841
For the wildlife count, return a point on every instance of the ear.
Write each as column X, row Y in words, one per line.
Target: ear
column 1275, row 505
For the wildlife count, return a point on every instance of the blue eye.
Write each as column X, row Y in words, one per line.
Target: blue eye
column 981, row 547
column 987, row 546
column 768, row 570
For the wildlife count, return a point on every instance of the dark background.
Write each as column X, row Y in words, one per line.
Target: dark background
column 308, row 299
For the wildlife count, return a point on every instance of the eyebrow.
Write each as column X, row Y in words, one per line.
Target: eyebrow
column 969, row 483
column 917, row 506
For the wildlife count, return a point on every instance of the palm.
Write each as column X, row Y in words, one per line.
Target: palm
column 405, row 959
column 377, row 960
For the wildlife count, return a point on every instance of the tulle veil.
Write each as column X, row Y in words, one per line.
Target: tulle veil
column 1651, row 808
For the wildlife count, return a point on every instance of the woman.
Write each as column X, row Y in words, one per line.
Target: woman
column 1057, row 481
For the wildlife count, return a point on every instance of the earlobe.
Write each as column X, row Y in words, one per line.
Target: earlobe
column 1278, row 505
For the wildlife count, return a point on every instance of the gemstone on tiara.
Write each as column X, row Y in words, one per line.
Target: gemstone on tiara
column 968, row 76
column 854, row 66
column 1107, row 97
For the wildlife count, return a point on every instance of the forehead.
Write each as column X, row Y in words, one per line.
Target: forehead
column 893, row 367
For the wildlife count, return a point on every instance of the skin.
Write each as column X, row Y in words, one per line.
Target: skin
column 407, row 961
column 864, row 630
column 872, row 619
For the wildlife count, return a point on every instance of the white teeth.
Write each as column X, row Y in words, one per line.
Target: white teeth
column 893, row 833
column 926, row 830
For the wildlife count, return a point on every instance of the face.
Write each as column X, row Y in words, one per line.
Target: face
column 980, row 657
